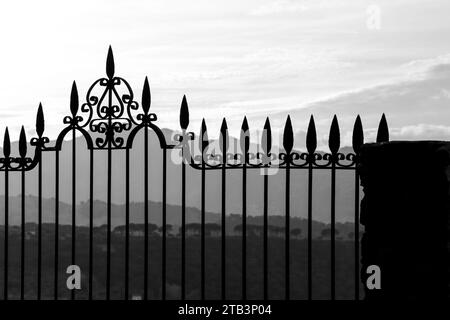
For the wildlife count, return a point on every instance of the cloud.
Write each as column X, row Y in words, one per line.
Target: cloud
column 426, row 96
column 417, row 108
column 259, row 65
column 420, row 69
column 421, row 132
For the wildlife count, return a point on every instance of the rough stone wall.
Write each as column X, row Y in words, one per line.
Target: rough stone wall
column 405, row 213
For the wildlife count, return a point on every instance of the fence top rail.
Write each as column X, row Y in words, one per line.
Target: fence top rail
column 110, row 111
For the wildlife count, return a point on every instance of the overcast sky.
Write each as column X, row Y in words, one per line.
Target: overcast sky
column 231, row 58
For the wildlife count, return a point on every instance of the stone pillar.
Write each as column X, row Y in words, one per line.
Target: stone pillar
column 405, row 214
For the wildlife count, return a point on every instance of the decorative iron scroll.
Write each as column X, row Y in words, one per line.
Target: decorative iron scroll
column 110, row 109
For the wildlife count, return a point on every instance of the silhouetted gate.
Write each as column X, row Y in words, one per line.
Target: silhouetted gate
column 110, row 113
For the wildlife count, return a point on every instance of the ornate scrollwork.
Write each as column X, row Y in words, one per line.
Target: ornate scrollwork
column 109, row 109
column 295, row 160
column 15, row 163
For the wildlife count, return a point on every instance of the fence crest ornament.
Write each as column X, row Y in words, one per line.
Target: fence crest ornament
column 108, row 108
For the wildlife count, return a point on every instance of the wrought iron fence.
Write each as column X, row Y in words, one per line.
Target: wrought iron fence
column 101, row 120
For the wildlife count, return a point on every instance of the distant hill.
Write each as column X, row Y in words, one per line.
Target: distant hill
column 299, row 187
column 155, row 216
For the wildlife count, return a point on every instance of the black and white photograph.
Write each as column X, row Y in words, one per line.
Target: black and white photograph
column 212, row 159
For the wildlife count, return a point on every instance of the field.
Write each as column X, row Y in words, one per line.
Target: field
column 345, row 264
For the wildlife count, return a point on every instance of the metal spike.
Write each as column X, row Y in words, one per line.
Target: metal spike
column 334, row 140
column 224, row 139
column 383, row 130
column 110, row 64
column 6, row 144
column 311, row 136
column 244, row 138
column 244, row 126
column 184, row 114
column 266, row 139
column 288, row 136
column 358, row 135
column 22, row 143
column 40, row 123
column 74, row 99
column 146, row 97
column 203, row 138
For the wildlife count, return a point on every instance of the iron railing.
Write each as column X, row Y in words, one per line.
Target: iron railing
column 109, row 114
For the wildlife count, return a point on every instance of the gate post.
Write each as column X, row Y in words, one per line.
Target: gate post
column 405, row 212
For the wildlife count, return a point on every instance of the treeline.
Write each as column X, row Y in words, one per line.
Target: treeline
column 192, row 229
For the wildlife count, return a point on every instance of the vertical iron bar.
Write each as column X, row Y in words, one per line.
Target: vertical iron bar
column 22, row 246
column 287, row 232
column 39, row 270
column 146, row 213
column 91, row 222
column 224, row 235
column 244, row 229
column 108, row 205
column 183, row 229
column 127, row 222
column 73, row 203
column 164, row 224
column 310, row 183
column 56, row 225
column 356, row 235
column 266, row 221
column 5, row 281
column 333, row 229
column 203, row 178
column 108, row 235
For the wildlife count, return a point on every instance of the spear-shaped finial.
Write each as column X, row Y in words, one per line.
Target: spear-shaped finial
column 266, row 139
column 74, row 99
column 22, row 143
column 110, row 64
column 146, row 97
column 184, row 114
column 358, row 135
column 224, row 138
column 383, row 130
column 6, row 144
column 334, row 141
column 288, row 136
column 244, row 138
column 311, row 136
column 40, row 123
column 203, row 138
